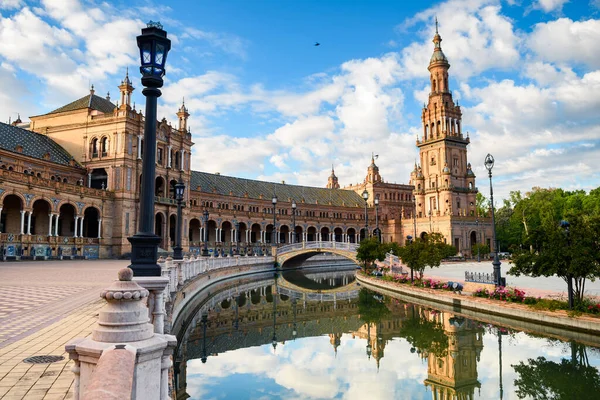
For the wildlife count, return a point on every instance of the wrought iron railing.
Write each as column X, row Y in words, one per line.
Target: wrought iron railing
column 480, row 277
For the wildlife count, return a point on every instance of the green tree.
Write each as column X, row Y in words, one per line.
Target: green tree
column 368, row 251
column 482, row 204
column 370, row 306
column 426, row 252
column 425, row 335
column 483, row 249
column 549, row 380
column 572, row 254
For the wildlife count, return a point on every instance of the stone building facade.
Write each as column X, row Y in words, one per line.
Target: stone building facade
column 70, row 185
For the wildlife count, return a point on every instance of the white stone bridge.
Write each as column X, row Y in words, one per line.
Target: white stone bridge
column 302, row 251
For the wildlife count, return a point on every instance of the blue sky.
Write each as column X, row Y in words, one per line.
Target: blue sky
column 267, row 104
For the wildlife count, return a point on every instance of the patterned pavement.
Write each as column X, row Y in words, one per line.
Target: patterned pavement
column 43, row 305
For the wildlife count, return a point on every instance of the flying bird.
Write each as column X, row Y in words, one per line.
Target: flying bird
column 317, row 44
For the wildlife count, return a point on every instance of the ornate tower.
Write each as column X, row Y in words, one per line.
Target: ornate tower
column 126, row 88
column 373, row 172
column 183, row 115
column 332, row 181
column 444, row 182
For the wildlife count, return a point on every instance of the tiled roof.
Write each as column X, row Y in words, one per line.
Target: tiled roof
column 90, row 101
column 239, row 187
column 34, row 144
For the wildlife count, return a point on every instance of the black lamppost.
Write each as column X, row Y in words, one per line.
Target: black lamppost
column 378, row 233
column 205, row 221
column 489, row 164
column 566, row 226
column 274, row 238
column 204, row 321
column 365, row 196
column 294, row 221
column 478, row 237
column 178, row 250
column 274, row 294
column 294, row 332
column 154, row 47
column 369, row 347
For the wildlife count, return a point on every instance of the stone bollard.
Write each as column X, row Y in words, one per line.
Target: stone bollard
column 123, row 326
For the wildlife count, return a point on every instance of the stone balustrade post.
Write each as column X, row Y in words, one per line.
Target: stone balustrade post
column 178, row 265
column 123, row 327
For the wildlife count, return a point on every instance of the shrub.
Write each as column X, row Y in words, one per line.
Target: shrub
column 502, row 293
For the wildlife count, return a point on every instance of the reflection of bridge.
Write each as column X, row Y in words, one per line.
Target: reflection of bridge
column 305, row 250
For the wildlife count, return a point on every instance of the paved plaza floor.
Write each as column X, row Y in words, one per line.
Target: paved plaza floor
column 43, row 305
column 536, row 286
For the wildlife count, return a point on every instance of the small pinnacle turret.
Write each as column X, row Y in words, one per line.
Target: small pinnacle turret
column 332, row 181
column 126, row 88
column 183, row 116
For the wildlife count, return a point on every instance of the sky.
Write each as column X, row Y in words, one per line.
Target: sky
column 268, row 104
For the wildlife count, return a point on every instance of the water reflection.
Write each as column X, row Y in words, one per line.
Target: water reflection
column 278, row 342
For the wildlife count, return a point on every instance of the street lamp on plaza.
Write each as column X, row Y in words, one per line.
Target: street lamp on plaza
column 377, row 232
column 294, row 221
column 179, row 191
column 365, row 196
column 205, row 222
column 489, row 164
column 154, row 47
column 274, row 238
column 478, row 237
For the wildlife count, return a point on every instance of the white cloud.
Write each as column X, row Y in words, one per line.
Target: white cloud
column 10, row 4
column 476, row 37
column 566, row 41
column 228, row 43
column 550, row 5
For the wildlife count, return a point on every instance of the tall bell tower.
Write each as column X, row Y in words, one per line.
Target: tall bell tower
column 444, row 182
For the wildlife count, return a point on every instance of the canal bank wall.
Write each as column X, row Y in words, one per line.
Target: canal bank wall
column 556, row 324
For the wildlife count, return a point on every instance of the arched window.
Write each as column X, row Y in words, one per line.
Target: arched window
column 470, row 185
column 104, row 146
column 177, row 159
column 434, row 86
column 94, row 148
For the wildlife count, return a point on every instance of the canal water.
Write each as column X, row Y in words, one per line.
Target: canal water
column 316, row 334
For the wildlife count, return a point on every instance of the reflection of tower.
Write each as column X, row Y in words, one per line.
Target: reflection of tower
column 335, row 340
column 377, row 342
column 453, row 375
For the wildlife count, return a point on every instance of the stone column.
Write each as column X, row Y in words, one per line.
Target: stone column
column 81, row 227
column 169, row 148
column 139, row 147
column 56, row 224
column 156, row 301
column 0, row 214
column 29, row 222
column 89, row 180
column 76, row 226
column 23, row 222
column 217, row 235
column 99, row 228
column 51, row 217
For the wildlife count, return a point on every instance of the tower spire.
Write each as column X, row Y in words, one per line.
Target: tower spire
column 436, row 25
column 125, row 89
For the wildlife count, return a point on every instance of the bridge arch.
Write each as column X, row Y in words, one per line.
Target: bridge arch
column 305, row 250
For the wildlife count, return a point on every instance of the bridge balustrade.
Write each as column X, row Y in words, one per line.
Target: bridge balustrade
column 317, row 245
